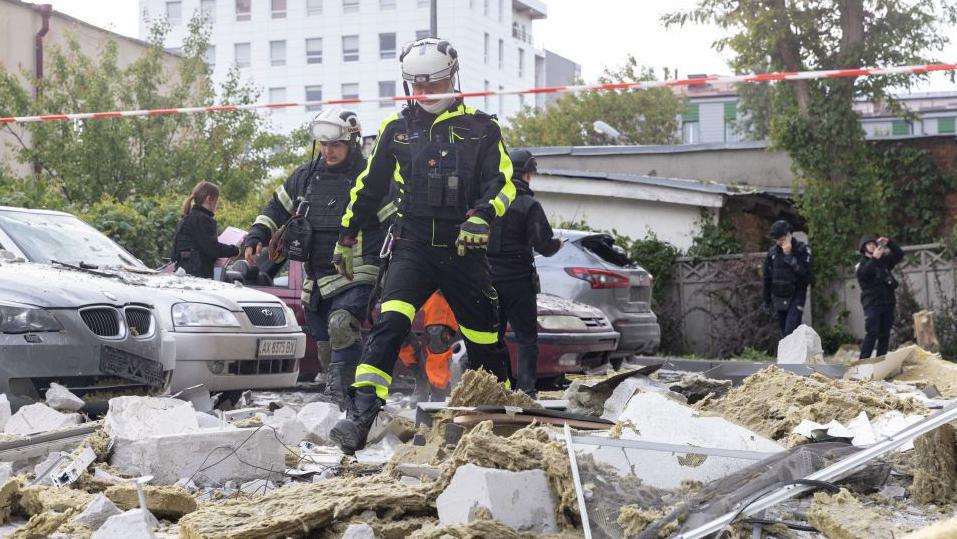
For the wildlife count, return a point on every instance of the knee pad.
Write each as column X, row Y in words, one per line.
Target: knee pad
column 438, row 339
column 344, row 329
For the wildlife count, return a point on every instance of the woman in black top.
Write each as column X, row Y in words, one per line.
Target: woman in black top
column 196, row 246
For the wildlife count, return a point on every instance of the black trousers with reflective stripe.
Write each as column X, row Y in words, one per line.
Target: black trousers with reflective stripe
column 415, row 272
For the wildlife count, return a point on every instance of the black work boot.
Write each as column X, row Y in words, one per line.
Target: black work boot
column 363, row 407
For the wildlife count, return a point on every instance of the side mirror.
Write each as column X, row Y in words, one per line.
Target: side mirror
column 233, row 276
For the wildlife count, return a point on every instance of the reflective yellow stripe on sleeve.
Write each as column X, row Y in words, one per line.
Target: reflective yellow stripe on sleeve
column 504, row 198
column 360, row 181
column 267, row 222
column 386, row 211
column 367, row 375
column 399, row 306
column 479, row 337
column 283, row 197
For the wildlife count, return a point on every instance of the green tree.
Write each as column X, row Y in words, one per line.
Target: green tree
column 642, row 116
column 119, row 158
column 813, row 120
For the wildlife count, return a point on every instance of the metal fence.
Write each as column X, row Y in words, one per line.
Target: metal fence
column 929, row 272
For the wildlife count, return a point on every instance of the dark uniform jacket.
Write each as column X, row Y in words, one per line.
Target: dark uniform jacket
column 196, row 245
column 446, row 166
column 786, row 277
column 875, row 278
column 319, row 269
column 523, row 228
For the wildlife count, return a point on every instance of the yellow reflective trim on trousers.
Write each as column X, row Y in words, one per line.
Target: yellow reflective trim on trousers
column 479, row 337
column 386, row 211
column 360, row 274
column 267, row 222
column 399, row 306
column 283, row 197
column 504, row 198
column 508, row 384
column 360, row 180
column 368, row 375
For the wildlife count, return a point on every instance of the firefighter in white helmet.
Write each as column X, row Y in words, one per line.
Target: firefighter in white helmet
column 454, row 178
column 301, row 222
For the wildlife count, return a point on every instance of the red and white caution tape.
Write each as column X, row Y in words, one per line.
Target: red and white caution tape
column 765, row 77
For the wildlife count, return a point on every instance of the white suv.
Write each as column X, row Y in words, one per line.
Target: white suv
column 227, row 337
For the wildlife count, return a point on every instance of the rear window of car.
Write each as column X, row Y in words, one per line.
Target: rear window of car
column 604, row 248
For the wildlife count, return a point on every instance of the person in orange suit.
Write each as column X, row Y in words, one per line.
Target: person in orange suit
column 433, row 376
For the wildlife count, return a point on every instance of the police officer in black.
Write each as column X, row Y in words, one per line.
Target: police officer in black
column 878, row 285
column 787, row 274
column 523, row 228
column 454, row 178
column 301, row 222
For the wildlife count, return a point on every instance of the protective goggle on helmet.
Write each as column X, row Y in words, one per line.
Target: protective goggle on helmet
column 334, row 124
column 428, row 59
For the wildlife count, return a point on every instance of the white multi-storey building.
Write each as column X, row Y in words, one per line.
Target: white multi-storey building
column 307, row 50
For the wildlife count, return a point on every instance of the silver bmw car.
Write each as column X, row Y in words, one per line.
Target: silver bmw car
column 591, row 269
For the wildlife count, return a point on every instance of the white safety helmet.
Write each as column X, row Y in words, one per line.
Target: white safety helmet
column 335, row 123
column 429, row 60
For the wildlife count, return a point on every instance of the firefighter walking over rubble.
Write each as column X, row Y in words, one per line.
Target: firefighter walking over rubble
column 454, row 178
column 301, row 222
column 523, row 228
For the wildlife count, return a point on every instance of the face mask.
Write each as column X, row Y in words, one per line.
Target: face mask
column 437, row 106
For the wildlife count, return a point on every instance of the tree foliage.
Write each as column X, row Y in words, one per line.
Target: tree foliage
column 813, row 120
column 642, row 116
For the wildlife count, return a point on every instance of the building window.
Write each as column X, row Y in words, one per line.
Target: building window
column 350, row 48
column 424, row 3
column 691, row 125
column 422, row 34
column 501, row 54
column 485, row 8
column 521, row 102
column 350, row 90
column 279, row 9
column 313, row 7
column 350, row 6
column 208, row 9
column 243, row 53
column 486, row 89
column 387, row 46
column 314, row 50
column 277, row 95
column 313, row 93
column 210, row 57
column 901, row 128
column 174, row 12
column 386, row 4
column 945, row 125
column 386, row 89
column 730, row 117
column 501, row 10
column 485, row 47
column 244, row 10
column 277, row 53
column 521, row 63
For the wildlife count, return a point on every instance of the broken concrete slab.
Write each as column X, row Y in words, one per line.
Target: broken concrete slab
column 287, row 424
column 5, row 411
column 60, row 398
column 6, row 471
column 133, row 418
column 166, row 501
column 359, row 531
column 208, row 457
column 97, row 512
column 257, row 487
column 133, row 524
column 881, row 367
column 521, row 500
column 802, row 346
column 842, row 516
column 654, row 417
column 318, row 418
column 207, row 421
column 37, row 418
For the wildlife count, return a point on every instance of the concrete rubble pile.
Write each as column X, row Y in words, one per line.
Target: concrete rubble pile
column 272, row 471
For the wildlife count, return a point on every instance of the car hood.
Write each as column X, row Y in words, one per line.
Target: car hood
column 552, row 304
column 50, row 287
column 85, row 287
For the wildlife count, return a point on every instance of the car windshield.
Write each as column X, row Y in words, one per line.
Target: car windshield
column 44, row 238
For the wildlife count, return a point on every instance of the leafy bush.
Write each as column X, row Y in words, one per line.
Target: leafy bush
column 714, row 238
column 832, row 337
column 144, row 226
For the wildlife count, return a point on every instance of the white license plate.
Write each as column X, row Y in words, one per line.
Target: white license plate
column 276, row 348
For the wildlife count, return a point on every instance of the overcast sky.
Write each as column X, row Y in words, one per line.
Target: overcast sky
column 594, row 33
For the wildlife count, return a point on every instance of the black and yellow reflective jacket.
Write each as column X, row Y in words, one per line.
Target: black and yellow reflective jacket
column 444, row 166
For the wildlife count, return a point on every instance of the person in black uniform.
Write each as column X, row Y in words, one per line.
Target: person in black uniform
column 454, row 177
column 878, row 285
column 523, row 228
column 301, row 222
column 196, row 244
column 787, row 274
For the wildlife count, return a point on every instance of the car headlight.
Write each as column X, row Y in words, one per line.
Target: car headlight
column 202, row 315
column 26, row 320
column 561, row 322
